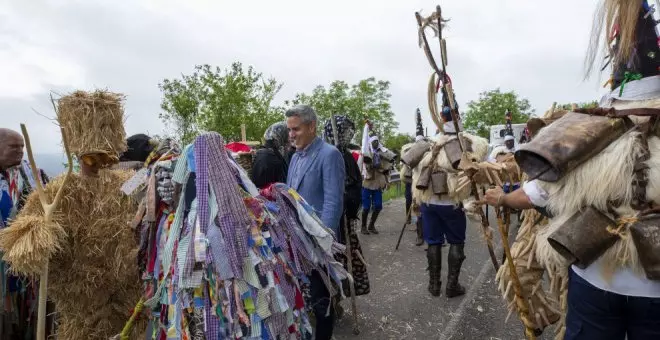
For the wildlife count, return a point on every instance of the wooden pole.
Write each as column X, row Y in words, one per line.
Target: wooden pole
column 243, row 133
column 49, row 210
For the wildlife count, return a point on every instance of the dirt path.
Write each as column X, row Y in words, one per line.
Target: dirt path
column 399, row 306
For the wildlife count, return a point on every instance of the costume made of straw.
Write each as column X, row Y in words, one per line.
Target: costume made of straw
column 595, row 190
column 93, row 277
column 228, row 261
column 437, row 189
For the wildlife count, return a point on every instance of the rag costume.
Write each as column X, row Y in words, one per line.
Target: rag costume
column 435, row 187
column 269, row 164
column 594, row 178
column 228, row 261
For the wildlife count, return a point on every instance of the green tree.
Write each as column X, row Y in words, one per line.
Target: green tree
column 368, row 99
column 396, row 141
column 586, row 105
column 212, row 99
column 490, row 108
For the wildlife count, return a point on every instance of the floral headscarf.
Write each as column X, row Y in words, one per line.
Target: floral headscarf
column 346, row 131
column 278, row 136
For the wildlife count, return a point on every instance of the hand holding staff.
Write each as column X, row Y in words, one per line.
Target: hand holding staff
column 49, row 210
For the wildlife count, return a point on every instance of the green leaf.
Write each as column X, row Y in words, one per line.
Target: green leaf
column 213, row 99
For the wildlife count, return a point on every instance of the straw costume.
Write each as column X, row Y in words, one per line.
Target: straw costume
column 94, row 280
column 595, row 178
column 226, row 261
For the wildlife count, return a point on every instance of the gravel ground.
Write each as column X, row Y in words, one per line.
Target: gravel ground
column 399, row 306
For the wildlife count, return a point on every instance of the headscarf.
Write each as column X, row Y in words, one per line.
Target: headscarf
column 346, row 131
column 139, row 148
column 277, row 136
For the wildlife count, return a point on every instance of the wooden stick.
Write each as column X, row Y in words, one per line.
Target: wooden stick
column 49, row 210
column 403, row 229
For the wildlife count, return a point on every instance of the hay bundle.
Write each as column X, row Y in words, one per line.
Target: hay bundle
column 29, row 243
column 93, row 122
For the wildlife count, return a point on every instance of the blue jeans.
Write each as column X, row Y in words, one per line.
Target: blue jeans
column 440, row 222
column 595, row 314
column 370, row 197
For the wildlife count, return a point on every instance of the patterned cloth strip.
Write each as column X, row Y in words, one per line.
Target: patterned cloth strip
column 234, row 218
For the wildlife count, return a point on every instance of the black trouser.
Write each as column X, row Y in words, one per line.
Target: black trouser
column 320, row 299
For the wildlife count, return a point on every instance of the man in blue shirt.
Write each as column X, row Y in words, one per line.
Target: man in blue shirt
column 317, row 172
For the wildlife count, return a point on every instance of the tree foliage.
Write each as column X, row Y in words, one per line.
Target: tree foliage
column 490, row 108
column 368, row 99
column 586, row 105
column 212, row 99
column 396, row 141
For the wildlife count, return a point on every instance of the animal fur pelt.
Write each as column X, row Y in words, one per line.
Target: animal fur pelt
column 479, row 151
column 93, row 277
column 500, row 149
column 605, row 177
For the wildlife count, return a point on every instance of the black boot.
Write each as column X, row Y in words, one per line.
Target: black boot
column 434, row 258
column 420, row 238
column 372, row 223
column 365, row 215
column 454, row 262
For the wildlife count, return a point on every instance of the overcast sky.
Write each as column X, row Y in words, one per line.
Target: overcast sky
column 536, row 49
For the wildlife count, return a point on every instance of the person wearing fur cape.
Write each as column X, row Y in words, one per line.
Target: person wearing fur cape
column 406, row 177
column 594, row 228
column 89, row 247
column 436, row 188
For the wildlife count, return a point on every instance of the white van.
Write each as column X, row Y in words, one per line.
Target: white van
column 497, row 133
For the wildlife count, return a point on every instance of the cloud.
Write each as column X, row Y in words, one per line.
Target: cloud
column 131, row 46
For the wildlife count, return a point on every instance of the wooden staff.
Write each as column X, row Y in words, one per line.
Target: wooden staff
column 403, row 229
column 349, row 250
column 452, row 105
column 49, row 210
column 523, row 310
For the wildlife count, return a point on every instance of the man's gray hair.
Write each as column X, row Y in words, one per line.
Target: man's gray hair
column 304, row 112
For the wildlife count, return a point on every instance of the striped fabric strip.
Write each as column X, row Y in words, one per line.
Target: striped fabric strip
column 234, row 218
column 263, row 303
column 175, row 229
column 180, row 174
